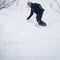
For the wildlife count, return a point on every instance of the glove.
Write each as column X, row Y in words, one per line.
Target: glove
column 28, row 18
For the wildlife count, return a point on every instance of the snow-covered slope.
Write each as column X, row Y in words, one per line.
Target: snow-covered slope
column 22, row 40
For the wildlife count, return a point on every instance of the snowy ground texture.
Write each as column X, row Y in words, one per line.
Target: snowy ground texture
column 22, row 40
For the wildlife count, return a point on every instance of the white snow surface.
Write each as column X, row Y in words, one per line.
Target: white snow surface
column 22, row 40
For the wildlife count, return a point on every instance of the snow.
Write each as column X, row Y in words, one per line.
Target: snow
column 22, row 40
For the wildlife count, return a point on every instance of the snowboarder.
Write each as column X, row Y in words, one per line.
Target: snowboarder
column 36, row 8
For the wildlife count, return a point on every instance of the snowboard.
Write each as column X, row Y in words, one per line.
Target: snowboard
column 37, row 24
column 41, row 25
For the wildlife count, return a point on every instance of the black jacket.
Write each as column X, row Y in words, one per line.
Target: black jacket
column 35, row 8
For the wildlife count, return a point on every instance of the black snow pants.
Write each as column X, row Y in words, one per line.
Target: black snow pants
column 39, row 17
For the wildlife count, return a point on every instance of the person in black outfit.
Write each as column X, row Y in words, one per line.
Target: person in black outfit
column 36, row 8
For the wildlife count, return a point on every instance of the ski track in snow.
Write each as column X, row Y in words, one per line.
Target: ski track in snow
column 22, row 40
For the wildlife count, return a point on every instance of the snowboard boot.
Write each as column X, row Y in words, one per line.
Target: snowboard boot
column 42, row 23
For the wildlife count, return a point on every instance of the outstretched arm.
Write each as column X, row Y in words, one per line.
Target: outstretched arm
column 30, row 14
